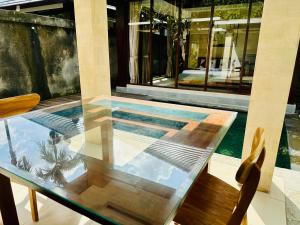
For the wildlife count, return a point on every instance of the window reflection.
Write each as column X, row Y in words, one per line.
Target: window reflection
column 228, row 37
column 139, row 35
column 58, row 159
column 195, row 38
column 165, row 40
column 194, row 44
column 254, row 28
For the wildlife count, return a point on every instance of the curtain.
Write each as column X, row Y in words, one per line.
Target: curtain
column 134, row 17
column 169, row 70
column 145, row 70
column 146, row 77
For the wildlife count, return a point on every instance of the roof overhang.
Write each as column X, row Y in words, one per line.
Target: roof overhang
column 6, row 3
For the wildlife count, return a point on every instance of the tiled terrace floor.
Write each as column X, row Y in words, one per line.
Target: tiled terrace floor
column 279, row 207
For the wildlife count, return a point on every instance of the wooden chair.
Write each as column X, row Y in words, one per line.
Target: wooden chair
column 212, row 201
column 258, row 144
column 15, row 106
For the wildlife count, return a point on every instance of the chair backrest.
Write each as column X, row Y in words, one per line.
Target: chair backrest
column 258, row 143
column 18, row 105
column 248, row 189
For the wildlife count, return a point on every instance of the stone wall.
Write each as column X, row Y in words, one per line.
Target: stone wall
column 37, row 54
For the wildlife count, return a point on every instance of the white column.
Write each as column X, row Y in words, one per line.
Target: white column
column 226, row 54
column 93, row 47
column 276, row 54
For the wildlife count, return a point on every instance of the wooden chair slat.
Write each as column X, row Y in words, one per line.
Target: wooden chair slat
column 213, row 201
column 256, row 149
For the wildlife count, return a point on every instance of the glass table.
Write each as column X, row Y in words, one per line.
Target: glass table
column 115, row 160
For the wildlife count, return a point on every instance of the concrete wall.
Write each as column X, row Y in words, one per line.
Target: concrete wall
column 37, row 54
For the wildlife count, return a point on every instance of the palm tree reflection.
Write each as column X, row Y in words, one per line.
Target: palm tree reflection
column 56, row 154
column 22, row 163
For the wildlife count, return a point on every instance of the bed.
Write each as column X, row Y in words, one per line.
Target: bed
column 197, row 77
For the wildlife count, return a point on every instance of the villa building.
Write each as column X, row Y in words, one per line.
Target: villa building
column 190, row 45
column 150, row 112
column 179, row 44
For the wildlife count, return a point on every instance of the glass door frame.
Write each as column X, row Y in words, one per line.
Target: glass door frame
column 209, row 45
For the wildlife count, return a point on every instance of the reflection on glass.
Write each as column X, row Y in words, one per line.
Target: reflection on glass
column 23, row 163
column 254, row 28
column 141, row 157
column 165, row 32
column 34, row 150
column 228, row 38
column 139, row 48
column 170, row 39
column 58, row 158
column 195, row 39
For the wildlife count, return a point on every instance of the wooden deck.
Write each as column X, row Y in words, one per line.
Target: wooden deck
column 57, row 101
column 76, row 97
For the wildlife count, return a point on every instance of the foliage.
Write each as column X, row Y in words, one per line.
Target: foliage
column 24, row 164
column 58, row 159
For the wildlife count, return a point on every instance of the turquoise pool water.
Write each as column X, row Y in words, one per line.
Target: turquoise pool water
column 183, row 114
column 145, row 130
column 149, row 117
column 167, row 123
column 232, row 144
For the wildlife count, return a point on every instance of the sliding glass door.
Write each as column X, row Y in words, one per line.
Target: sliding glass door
column 164, row 42
column 252, row 42
column 195, row 39
column 227, row 46
column 194, row 44
column 139, row 39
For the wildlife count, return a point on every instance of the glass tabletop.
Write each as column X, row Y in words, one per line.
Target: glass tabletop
column 125, row 161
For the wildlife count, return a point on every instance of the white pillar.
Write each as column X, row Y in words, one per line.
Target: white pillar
column 276, row 54
column 226, row 54
column 93, row 47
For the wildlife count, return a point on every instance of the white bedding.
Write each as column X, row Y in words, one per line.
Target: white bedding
column 213, row 76
column 217, row 73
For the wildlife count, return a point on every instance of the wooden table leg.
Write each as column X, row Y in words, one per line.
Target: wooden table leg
column 33, row 205
column 7, row 203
